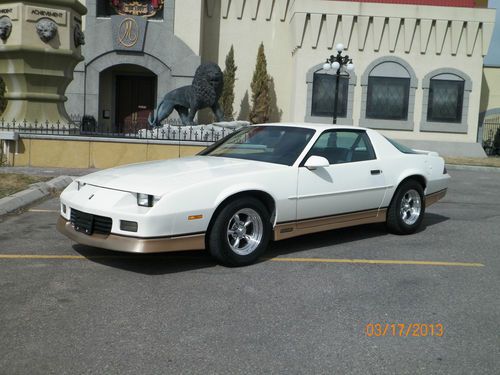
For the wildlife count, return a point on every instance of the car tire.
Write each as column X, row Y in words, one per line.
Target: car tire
column 406, row 211
column 240, row 232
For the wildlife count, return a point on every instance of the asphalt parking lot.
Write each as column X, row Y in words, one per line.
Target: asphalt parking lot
column 67, row 308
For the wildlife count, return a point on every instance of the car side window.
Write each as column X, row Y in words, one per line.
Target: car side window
column 343, row 146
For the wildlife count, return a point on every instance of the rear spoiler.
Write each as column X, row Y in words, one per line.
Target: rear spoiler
column 425, row 152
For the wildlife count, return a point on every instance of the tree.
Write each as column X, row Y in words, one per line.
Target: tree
column 227, row 98
column 3, row 101
column 496, row 142
column 261, row 100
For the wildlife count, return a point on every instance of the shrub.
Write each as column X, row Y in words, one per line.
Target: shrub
column 496, row 141
column 227, row 98
column 261, row 100
column 3, row 101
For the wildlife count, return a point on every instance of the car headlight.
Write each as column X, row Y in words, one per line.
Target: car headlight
column 146, row 200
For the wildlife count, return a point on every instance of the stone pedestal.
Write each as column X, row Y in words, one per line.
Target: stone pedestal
column 37, row 58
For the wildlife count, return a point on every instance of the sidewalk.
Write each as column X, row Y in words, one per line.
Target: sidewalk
column 49, row 172
column 62, row 177
column 76, row 172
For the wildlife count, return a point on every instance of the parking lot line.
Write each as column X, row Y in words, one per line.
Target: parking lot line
column 377, row 261
column 42, row 211
column 34, row 256
column 90, row 257
column 278, row 259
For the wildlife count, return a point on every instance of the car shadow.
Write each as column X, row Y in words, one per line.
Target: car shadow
column 340, row 236
column 184, row 261
column 328, row 238
column 431, row 219
column 148, row 264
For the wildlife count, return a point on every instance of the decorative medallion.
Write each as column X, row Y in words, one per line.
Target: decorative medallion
column 128, row 33
column 146, row 8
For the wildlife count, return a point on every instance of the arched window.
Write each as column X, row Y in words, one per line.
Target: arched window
column 321, row 96
column 388, row 90
column 445, row 101
column 389, row 85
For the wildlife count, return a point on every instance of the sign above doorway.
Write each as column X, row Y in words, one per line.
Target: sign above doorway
column 128, row 33
column 145, row 8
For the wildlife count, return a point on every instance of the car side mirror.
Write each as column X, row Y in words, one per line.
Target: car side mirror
column 314, row 162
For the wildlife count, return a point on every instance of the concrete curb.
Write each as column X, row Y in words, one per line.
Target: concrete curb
column 34, row 193
column 459, row 167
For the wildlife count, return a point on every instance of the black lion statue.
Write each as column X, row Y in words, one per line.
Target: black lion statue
column 204, row 92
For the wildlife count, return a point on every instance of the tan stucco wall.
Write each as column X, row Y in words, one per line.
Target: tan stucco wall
column 53, row 153
column 490, row 98
column 245, row 30
column 299, row 35
column 188, row 23
column 448, row 47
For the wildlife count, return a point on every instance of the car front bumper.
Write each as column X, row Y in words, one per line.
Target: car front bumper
column 133, row 244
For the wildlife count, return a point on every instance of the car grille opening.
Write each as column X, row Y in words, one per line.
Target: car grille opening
column 89, row 223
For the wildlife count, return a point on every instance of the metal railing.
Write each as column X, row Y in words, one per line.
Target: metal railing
column 491, row 136
column 173, row 131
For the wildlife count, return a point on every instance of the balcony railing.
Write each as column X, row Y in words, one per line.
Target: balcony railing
column 491, row 136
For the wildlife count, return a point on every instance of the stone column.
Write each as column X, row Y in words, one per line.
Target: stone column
column 40, row 45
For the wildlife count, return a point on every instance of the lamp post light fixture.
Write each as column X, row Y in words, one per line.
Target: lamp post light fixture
column 336, row 63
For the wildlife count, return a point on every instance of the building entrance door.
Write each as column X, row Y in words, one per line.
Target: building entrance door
column 135, row 99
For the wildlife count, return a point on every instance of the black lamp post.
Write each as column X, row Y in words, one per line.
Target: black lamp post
column 337, row 62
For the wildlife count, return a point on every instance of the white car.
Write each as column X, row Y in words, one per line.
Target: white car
column 261, row 183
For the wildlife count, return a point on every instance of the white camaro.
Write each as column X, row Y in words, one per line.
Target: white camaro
column 264, row 182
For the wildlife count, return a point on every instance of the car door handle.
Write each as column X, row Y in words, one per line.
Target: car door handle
column 375, row 171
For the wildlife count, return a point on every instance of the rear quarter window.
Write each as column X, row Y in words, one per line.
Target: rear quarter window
column 400, row 147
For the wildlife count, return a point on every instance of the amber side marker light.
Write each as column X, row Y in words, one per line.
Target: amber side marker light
column 195, row 217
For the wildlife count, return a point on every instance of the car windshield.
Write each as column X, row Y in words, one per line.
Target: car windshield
column 272, row 144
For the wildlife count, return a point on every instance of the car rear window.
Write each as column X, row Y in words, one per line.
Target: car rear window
column 401, row 148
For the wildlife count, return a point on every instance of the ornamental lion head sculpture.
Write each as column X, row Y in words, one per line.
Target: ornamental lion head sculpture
column 46, row 29
column 5, row 28
column 204, row 92
column 78, row 36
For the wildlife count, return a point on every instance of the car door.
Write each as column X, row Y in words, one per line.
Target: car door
column 352, row 183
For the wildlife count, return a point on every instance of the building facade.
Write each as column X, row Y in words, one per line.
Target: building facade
column 418, row 68
column 489, row 117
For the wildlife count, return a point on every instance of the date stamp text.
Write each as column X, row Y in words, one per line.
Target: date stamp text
column 404, row 330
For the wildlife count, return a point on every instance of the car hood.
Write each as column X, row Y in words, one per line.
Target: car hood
column 160, row 177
